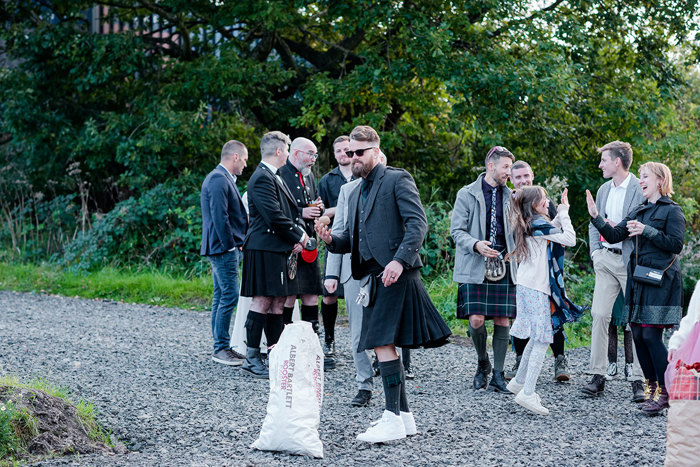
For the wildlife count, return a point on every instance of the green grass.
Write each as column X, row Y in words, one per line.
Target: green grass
column 18, row 425
column 149, row 287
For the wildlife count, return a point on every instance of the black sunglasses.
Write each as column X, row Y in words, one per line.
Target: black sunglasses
column 356, row 153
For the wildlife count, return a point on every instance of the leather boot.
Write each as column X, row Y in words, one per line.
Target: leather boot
column 254, row 365
column 498, row 382
column 514, row 371
column 482, row 374
column 649, row 393
column 638, row 394
column 595, row 387
column 658, row 404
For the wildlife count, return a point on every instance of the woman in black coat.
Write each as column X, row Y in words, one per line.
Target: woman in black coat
column 658, row 226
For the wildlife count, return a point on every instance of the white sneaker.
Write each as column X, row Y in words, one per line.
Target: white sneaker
column 514, row 387
column 409, row 423
column 531, row 403
column 612, row 371
column 390, row 427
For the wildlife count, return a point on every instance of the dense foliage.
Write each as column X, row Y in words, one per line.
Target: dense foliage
column 104, row 138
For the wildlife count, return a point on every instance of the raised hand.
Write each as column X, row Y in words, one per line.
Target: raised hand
column 592, row 209
column 323, row 232
column 565, row 197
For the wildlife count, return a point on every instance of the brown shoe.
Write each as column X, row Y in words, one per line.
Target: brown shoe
column 649, row 393
column 658, row 404
column 596, row 387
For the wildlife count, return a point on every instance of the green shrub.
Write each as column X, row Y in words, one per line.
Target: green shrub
column 162, row 227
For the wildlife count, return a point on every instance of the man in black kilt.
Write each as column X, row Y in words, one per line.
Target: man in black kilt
column 483, row 236
column 384, row 231
column 273, row 234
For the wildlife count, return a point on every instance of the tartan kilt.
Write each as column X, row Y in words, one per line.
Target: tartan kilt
column 489, row 299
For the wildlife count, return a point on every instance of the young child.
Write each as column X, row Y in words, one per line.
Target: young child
column 539, row 285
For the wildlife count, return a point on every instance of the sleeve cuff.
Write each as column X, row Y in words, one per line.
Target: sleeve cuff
column 332, row 277
column 650, row 232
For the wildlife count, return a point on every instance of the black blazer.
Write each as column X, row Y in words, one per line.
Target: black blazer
column 273, row 213
column 393, row 217
column 224, row 219
column 303, row 194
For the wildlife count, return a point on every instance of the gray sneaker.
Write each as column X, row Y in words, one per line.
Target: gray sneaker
column 612, row 371
column 228, row 357
column 514, row 371
column 561, row 369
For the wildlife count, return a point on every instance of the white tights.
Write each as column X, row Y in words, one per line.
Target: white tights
column 531, row 365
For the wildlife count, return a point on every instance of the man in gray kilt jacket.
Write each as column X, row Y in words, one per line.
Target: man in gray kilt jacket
column 383, row 233
column 482, row 233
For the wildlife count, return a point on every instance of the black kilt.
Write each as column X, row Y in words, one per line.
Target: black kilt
column 404, row 315
column 490, row 299
column 264, row 274
column 308, row 277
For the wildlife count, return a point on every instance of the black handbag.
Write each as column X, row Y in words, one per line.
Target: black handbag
column 647, row 275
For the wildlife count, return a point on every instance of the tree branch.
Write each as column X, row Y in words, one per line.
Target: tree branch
column 537, row 13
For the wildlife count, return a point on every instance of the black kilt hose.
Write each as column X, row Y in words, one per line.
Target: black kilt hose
column 264, row 274
column 489, row 299
column 403, row 315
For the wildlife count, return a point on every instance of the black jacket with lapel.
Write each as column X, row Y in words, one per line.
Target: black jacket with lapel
column 273, row 213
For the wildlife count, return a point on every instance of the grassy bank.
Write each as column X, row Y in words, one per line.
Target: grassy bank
column 153, row 288
column 158, row 288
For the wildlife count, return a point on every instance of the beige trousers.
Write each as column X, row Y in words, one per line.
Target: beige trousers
column 610, row 279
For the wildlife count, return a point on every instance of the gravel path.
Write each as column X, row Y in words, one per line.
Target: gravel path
column 148, row 371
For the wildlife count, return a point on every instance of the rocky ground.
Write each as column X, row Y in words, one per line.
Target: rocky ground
column 149, row 373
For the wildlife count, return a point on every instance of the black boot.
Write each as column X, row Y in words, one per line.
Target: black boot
column 595, row 387
column 482, row 374
column 254, row 365
column 498, row 382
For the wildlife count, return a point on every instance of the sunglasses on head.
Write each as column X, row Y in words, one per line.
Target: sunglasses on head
column 493, row 150
column 356, row 153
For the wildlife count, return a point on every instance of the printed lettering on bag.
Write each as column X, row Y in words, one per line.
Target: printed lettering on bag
column 287, row 375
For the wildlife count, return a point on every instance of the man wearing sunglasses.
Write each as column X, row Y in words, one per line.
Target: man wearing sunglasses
column 297, row 175
column 483, row 237
column 383, row 233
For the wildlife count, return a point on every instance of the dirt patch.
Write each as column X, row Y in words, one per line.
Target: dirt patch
column 58, row 429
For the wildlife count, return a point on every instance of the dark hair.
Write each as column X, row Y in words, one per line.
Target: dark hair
column 496, row 153
column 619, row 150
column 522, row 212
column 517, row 165
column 340, row 139
column 364, row 133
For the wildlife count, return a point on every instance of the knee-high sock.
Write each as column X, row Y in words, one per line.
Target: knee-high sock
column 479, row 339
column 391, row 378
column 612, row 343
column 310, row 313
column 524, row 361
column 501, row 337
column 534, row 366
column 254, row 325
column 519, row 345
column 405, row 357
column 403, row 400
column 287, row 312
column 329, row 312
column 629, row 352
column 273, row 329
column 557, row 344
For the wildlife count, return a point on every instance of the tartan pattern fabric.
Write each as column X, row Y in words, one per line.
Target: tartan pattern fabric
column 490, row 299
column 686, row 384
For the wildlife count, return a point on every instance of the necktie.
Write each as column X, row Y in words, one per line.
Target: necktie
column 492, row 234
column 364, row 191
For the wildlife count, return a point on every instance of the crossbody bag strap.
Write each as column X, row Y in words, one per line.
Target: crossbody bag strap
column 636, row 255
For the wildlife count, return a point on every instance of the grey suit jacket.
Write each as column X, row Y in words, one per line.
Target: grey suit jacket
column 468, row 226
column 633, row 198
column 338, row 266
column 393, row 217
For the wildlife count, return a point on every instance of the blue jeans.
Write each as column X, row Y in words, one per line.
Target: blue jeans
column 224, row 270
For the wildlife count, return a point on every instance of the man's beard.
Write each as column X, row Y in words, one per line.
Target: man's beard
column 347, row 162
column 358, row 170
column 306, row 171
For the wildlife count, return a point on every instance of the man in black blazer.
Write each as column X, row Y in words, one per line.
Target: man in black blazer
column 274, row 233
column 383, row 233
column 224, row 226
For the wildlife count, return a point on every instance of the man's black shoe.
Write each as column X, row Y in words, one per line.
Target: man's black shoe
column 362, row 398
column 408, row 371
column 329, row 349
column 328, row 363
column 596, row 387
column 498, row 382
column 482, row 374
column 638, row 391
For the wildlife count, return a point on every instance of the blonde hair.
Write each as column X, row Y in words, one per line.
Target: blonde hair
column 663, row 172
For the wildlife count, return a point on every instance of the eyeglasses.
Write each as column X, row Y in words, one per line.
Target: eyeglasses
column 356, row 153
column 313, row 155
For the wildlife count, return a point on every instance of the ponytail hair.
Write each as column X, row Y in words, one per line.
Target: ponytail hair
column 522, row 212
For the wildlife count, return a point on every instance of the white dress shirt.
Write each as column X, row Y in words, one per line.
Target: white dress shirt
column 615, row 205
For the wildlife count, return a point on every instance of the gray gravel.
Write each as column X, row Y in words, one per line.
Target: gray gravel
column 148, row 371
